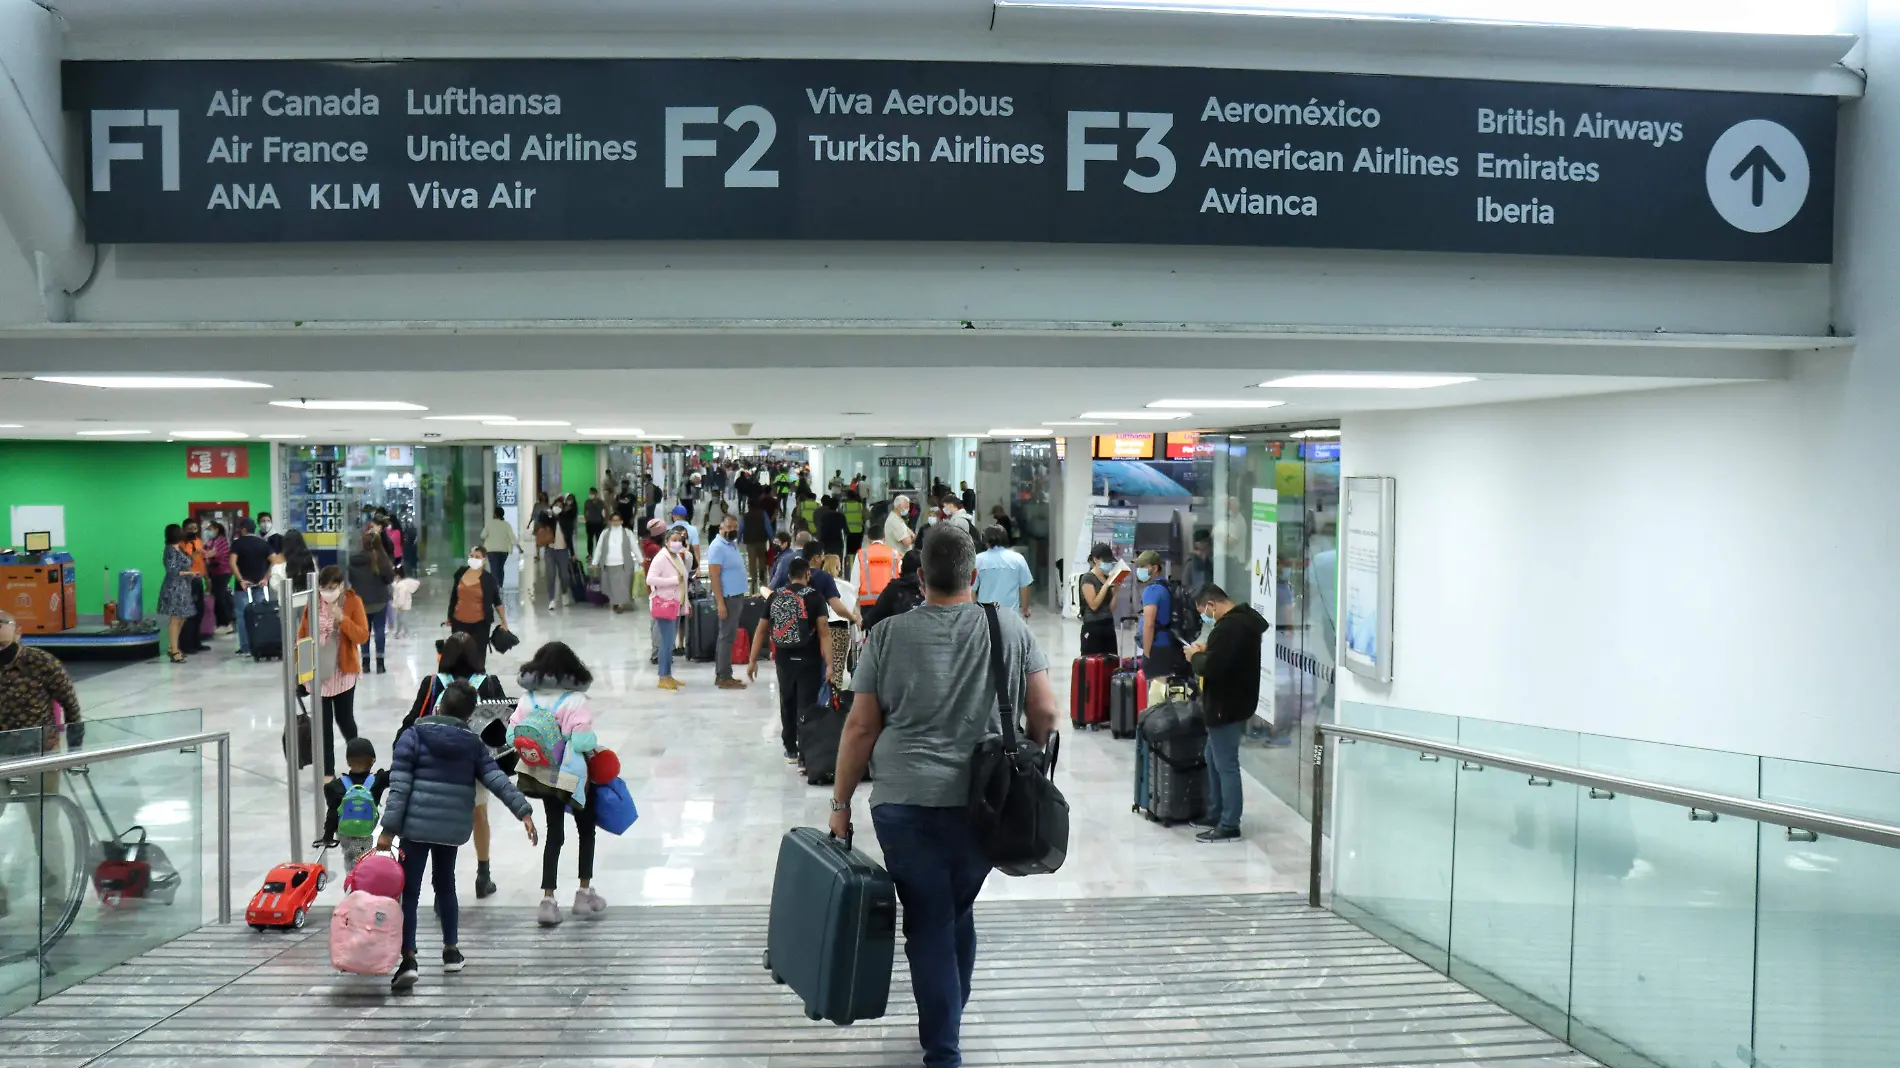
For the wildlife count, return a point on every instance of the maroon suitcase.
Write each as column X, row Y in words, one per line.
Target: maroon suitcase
column 1088, row 690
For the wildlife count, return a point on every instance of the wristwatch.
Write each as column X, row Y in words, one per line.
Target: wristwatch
column 840, row 806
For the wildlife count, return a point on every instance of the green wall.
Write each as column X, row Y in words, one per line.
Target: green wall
column 118, row 498
column 579, row 469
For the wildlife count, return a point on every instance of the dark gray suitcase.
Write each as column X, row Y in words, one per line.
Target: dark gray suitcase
column 833, row 928
column 702, row 631
column 1171, row 763
column 264, row 630
column 1123, row 703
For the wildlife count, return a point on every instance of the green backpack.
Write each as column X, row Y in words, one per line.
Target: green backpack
column 356, row 813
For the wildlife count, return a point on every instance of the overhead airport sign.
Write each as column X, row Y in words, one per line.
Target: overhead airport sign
column 576, row 150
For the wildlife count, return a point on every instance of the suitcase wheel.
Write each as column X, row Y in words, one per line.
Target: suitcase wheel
column 777, row 978
column 765, row 961
column 814, row 1015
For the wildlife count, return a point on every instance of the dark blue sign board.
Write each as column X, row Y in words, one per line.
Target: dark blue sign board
column 576, row 150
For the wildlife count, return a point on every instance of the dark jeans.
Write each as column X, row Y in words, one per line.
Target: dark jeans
column 934, row 860
column 497, row 564
column 1223, row 774
column 221, row 600
column 191, row 637
column 478, row 632
column 1165, row 662
column 557, row 835
column 441, row 858
column 852, row 543
column 593, row 535
column 799, row 676
column 378, row 631
column 339, row 712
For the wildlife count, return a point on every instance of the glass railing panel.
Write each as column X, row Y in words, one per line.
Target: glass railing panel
column 20, row 876
column 1663, row 943
column 145, row 818
column 1514, row 874
column 1393, row 832
column 1828, row 948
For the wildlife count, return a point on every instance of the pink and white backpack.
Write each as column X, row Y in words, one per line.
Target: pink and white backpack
column 366, row 934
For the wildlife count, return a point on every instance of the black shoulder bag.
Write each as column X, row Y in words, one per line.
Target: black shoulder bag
column 1020, row 818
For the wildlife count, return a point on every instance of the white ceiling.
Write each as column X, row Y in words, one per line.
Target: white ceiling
column 900, row 400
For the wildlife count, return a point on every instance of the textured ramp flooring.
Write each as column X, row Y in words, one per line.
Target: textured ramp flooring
column 1194, row 982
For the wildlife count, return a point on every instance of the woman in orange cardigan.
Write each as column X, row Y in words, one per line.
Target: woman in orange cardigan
column 339, row 611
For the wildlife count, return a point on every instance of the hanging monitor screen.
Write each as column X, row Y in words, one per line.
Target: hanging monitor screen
column 1125, row 447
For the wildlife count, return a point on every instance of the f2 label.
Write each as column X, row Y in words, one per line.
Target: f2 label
column 744, row 172
column 1154, row 126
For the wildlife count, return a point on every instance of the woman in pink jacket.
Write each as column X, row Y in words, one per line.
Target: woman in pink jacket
column 667, row 575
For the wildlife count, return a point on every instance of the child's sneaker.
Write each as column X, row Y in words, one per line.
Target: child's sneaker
column 451, row 959
column 406, row 973
column 550, row 914
column 484, row 887
column 588, row 905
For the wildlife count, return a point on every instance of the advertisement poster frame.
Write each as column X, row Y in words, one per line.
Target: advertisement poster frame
column 1366, row 558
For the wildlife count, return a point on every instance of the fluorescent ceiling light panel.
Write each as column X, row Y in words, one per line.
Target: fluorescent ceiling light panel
column 12, row 426
column 1351, row 381
column 1134, row 416
column 880, row 444
column 526, row 422
column 467, row 418
column 1074, row 422
column 150, row 382
column 613, row 432
column 350, row 405
column 1315, row 433
column 1216, row 404
column 111, row 433
column 1020, row 432
column 209, row 435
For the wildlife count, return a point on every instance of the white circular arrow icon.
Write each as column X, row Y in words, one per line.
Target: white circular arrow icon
column 1757, row 175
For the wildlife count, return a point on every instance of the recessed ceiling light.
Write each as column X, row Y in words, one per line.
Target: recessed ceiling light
column 1020, row 432
column 149, row 382
column 612, row 432
column 111, row 433
column 880, row 444
column 1073, row 422
column 374, row 440
column 526, row 422
column 1216, row 404
column 351, row 405
column 1133, row 416
column 1315, row 433
column 283, row 437
column 1350, row 381
column 466, row 418
column 208, row 435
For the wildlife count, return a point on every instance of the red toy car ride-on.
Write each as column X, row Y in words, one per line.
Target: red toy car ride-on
column 285, row 898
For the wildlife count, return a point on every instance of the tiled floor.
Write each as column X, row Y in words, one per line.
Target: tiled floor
column 1191, row 982
column 713, row 792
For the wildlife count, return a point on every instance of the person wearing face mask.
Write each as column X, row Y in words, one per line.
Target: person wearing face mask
column 193, row 633
column 556, row 553
column 668, row 603
column 1228, row 663
column 616, row 553
column 1160, row 657
column 897, row 532
column 1096, row 591
column 475, row 605
column 342, row 628
column 175, row 599
column 729, row 585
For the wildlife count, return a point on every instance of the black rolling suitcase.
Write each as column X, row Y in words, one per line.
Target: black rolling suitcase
column 1171, row 762
column 264, row 630
column 833, row 927
column 702, row 631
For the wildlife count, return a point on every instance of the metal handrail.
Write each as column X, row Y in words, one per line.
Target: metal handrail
column 1703, row 805
column 82, row 757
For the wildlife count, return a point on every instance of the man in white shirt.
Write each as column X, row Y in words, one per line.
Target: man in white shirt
column 1003, row 577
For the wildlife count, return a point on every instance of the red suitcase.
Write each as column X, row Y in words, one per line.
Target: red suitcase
column 1088, row 690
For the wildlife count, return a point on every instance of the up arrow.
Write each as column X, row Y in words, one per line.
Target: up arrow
column 1758, row 163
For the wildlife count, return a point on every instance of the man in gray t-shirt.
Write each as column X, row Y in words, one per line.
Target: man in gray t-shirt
column 924, row 699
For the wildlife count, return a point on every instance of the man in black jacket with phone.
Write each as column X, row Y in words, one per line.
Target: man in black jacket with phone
column 1228, row 663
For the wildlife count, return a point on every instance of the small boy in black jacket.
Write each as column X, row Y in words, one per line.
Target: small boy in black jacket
column 357, row 838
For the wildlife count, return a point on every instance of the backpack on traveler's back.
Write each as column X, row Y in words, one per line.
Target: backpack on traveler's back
column 537, row 739
column 356, row 813
column 1183, row 621
column 791, row 620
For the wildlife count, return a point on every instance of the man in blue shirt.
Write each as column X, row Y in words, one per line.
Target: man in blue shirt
column 1160, row 656
column 729, row 587
column 1003, row 577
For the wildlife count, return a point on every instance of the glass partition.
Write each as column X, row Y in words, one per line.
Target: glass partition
column 1642, row 933
column 99, row 863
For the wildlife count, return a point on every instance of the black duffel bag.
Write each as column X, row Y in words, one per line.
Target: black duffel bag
column 1020, row 818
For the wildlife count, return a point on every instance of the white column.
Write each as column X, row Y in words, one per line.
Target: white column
column 1069, row 505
